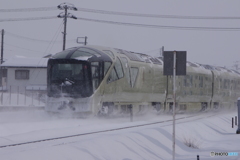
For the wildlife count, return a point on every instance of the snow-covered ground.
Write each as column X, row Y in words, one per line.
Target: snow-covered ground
column 153, row 142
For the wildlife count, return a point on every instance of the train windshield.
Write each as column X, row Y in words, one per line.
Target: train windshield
column 69, row 78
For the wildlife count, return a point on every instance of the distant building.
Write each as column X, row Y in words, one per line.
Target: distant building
column 22, row 74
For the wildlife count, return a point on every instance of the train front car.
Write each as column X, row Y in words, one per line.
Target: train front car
column 73, row 76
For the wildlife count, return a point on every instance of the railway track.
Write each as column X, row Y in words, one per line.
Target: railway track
column 195, row 116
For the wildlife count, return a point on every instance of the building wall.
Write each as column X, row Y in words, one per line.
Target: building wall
column 37, row 79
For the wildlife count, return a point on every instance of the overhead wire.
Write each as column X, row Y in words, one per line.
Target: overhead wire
column 135, row 24
column 51, row 44
column 26, row 38
column 123, row 13
column 129, row 14
column 163, row 26
column 31, row 39
column 27, row 19
column 29, row 9
column 53, row 40
column 22, row 48
column 156, row 15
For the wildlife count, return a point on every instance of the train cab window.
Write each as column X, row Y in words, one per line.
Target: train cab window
column 117, row 72
column 133, row 75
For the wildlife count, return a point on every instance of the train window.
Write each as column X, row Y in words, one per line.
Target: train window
column 146, row 58
column 126, row 69
column 156, row 61
column 131, row 55
column 109, row 53
column 84, row 52
column 61, row 70
column 106, row 67
column 117, row 72
column 225, row 83
column 63, row 54
column 190, row 80
column 95, row 74
column 113, row 76
column 134, row 73
column 185, row 81
column 200, row 81
column 119, row 68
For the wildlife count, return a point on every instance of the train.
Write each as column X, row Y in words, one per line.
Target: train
column 106, row 81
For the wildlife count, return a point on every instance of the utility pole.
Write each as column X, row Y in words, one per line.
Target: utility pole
column 65, row 28
column 161, row 51
column 2, row 46
column 65, row 15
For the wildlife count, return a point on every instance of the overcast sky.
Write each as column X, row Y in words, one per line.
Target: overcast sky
column 37, row 38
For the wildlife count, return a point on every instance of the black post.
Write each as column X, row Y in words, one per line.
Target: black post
column 85, row 42
column 232, row 122
column 198, row 157
column 2, row 46
column 131, row 112
column 235, row 120
column 238, row 104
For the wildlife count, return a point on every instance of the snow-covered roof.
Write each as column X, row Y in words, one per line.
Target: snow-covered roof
column 25, row 62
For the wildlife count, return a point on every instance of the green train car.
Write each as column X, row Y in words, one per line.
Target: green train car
column 103, row 81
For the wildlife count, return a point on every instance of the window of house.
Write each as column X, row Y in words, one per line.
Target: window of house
column 22, row 74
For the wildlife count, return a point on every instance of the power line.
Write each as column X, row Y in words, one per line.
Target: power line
column 155, row 15
column 133, row 24
column 51, row 44
column 32, row 39
column 124, row 13
column 162, row 26
column 29, row 9
column 22, row 48
column 27, row 19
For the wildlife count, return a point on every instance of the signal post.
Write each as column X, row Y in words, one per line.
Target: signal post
column 174, row 64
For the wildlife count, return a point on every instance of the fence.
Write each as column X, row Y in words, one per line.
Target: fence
column 22, row 96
